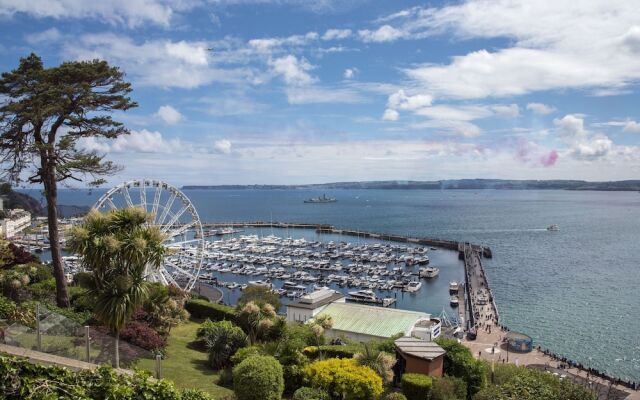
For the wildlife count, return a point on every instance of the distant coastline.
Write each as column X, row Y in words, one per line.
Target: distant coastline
column 476, row 184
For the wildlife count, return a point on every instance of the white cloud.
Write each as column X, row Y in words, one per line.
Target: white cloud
column 385, row 33
column 455, row 113
column 315, row 94
column 540, row 108
column 450, row 126
column 591, row 44
column 571, row 125
column 121, row 12
column 268, row 44
column 161, row 63
column 169, row 114
column 349, row 73
column 142, row 141
column 631, row 126
column 583, row 144
column 336, row 34
column 293, row 70
column 46, row 36
column 390, row 115
column 506, row 110
column 400, row 100
column 223, row 146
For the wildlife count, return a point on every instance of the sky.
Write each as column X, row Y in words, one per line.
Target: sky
column 312, row 91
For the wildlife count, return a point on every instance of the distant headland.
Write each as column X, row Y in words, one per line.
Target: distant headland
column 476, row 184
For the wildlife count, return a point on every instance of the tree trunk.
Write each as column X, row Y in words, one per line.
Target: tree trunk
column 117, row 348
column 51, row 193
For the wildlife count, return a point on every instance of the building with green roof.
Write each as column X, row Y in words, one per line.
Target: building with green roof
column 363, row 323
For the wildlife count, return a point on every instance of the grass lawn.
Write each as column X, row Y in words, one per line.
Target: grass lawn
column 185, row 366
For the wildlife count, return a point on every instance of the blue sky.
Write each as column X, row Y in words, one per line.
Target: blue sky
column 293, row 91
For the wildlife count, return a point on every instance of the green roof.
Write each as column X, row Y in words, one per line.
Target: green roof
column 369, row 320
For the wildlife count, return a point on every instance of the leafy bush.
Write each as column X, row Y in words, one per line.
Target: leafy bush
column 307, row 393
column 333, row 351
column 205, row 329
column 395, row 396
column 84, row 280
column 459, row 362
column 142, row 335
column 215, row 312
column 7, row 307
column 448, row 388
column 225, row 378
column 344, row 379
column 416, row 386
column 20, row 379
column 528, row 384
column 260, row 295
column 244, row 353
column 258, row 378
column 43, row 289
column 222, row 339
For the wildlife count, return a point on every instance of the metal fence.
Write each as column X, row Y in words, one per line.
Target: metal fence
column 56, row 334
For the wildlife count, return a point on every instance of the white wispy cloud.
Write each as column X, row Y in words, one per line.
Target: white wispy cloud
column 131, row 13
column 540, row 108
column 336, row 34
column 48, row 35
column 169, row 114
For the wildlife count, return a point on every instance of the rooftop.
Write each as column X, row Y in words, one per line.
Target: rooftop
column 419, row 348
column 369, row 320
column 316, row 299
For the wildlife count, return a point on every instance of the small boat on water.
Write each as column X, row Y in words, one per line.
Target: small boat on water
column 428, row 272
column 368, row 296
column 454, row 287
column 454, row 301
column 321, row 199
column 412, row 286
column 553, row 228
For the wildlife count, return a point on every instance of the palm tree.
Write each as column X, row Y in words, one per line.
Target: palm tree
column 379, row 361
column 118, row 247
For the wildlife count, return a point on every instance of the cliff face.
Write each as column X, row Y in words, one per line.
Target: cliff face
column 15, row 199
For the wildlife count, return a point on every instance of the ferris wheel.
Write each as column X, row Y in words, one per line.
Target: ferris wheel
column 176, row 217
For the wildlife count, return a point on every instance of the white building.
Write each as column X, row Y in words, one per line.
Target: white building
column 15, row 221
column 310, row 305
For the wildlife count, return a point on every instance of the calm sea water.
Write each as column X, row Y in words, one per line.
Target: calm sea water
column 576, row 291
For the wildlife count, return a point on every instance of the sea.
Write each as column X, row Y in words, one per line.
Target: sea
column 575, row 291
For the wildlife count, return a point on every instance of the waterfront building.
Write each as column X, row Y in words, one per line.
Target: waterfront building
column 14, row 222
column 310, row 305
column 362, row 322
column 418, row 357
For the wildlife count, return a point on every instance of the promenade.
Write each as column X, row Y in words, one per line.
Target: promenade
column 489, row 345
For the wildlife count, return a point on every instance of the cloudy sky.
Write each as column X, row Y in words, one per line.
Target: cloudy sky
column 309, row 91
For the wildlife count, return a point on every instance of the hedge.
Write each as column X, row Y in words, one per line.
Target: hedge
column 215, row 312
column 395, row 396
column 333, row 351
column 20, row 379
column 307, row 393
column 258, row 378
column 416, row 386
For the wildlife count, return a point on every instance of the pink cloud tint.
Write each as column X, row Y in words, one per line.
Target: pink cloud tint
column 550, row 159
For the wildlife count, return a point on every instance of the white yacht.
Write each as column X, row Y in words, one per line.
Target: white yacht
column 454, row 287
column 364, row 295
column 429, row 272
column 453, row 300
column 412, row 286
column 553, row 227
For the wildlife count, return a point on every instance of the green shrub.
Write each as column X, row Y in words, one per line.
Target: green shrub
column 20, row 379
column 459, row 362
column 244, row 353
column 333, row 351
column 416, row 386
column 307, row 393
column 215, row 312
column 344, row 379
column 7, row 307
column 258, row 378
column 448, row 388
column 395, row 396
column 222, row 339
column 43, row 289
column 84, row 280
column 293, row 377
column 225, row 378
